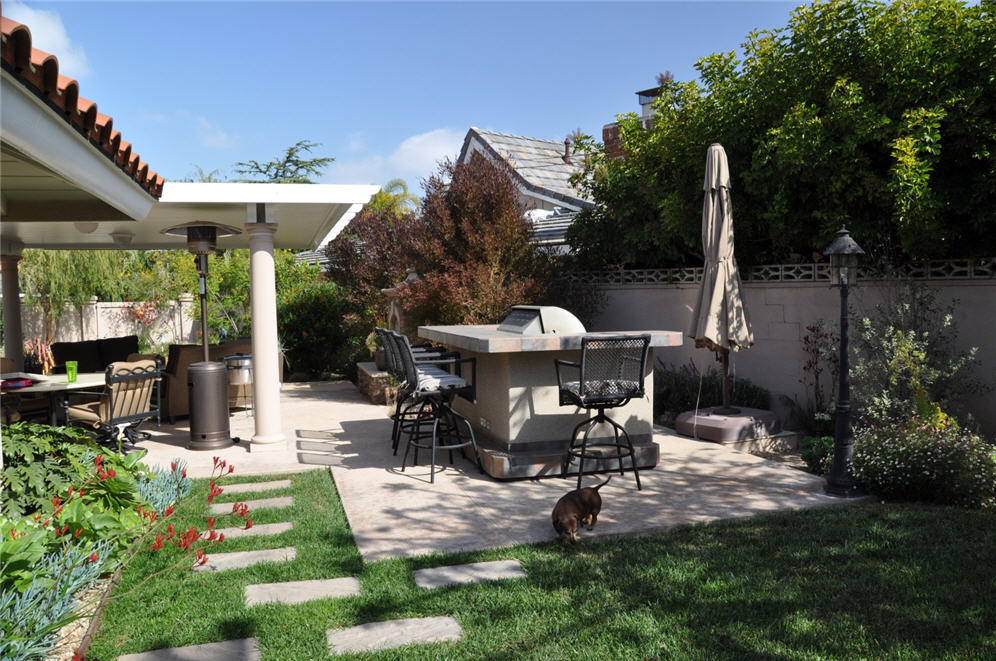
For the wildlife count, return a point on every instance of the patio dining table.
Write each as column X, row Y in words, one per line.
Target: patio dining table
column 52, row 386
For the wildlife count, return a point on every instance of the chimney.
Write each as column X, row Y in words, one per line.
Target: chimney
column 567, row 151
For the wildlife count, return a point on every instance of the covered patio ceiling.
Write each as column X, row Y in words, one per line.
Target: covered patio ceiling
column 306, row 214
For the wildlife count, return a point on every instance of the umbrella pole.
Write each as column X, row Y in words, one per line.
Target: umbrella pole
column 725, row 409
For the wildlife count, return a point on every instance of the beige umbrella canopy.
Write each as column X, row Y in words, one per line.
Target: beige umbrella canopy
column 719, row 318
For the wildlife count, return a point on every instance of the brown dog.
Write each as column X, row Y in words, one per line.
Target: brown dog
column 577, row 508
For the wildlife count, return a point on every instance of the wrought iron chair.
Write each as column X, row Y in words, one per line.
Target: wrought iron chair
column 609, row 375
column 123, row 404
column 430, row 390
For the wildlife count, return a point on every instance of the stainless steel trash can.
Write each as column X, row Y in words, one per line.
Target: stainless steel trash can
column 208, row 391
column 239, row 366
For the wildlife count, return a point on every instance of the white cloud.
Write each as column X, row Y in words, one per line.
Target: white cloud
column 49, row 34
column 413, row 159
column 355, row 143
column 211, row 136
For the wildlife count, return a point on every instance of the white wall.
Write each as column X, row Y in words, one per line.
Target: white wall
column 97, row 320
column 779, row 313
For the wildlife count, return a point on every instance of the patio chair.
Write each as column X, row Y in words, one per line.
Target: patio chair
column 403, row 416
column 609, row 375
column 123, row 404
column 429, row 418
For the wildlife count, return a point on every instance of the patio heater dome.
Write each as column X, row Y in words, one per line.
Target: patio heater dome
column 202, row 237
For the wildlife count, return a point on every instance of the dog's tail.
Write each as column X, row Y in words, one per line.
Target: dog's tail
column 603, row 483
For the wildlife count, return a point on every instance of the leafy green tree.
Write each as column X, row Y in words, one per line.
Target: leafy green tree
column 51, row 279
column 292, row 168
column 880, row 116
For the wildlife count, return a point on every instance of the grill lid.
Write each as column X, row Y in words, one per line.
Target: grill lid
column 540, row 320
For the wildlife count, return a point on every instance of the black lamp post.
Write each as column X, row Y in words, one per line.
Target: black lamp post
column 843, row 253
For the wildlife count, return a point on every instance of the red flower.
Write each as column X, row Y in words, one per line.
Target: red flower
column 112, row 472
column 172, row 466
column 221, row 538
column 168, row 512
column 77, row 656
column 171, row 531
column 56, row 501
column 212, row 535
column 230, row 469
column 210, row 522
column 248, row 524
column 158, row 543
column 184, row 472
column 94, row 557
column 216, row 460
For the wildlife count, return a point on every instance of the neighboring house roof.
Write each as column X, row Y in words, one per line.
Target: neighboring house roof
column 313, row 257
column 538, row 165
column 38, row 72
column 549, row 228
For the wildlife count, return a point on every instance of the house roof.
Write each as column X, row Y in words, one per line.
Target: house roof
column 537, row 164
column 38, row 72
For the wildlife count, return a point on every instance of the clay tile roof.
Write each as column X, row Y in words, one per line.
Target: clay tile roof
column 38, row 71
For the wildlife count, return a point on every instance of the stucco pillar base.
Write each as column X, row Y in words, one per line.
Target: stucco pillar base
column 268, row 443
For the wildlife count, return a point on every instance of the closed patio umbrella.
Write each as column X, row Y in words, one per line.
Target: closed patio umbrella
column 719, row 319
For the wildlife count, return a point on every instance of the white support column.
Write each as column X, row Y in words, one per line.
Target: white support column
column 13, row 335
column 265, row 357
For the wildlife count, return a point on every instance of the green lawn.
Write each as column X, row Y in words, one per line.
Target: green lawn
column 857, row 581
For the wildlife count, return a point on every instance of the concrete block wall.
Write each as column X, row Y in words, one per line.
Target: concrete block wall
column 779, row 313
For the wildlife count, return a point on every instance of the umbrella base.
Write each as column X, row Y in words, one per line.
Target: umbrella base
column 712, row 424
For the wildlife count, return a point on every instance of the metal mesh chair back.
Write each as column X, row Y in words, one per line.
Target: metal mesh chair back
column 130, row 387
column 390, row 352
column 408, row 372
column 612, row 367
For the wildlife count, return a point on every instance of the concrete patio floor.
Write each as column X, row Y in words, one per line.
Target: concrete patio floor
column 399, row 514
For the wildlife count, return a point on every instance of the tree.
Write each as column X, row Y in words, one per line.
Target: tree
column 472, row 248
column 292, row 168
column 51, row 279
column 880, row 116
column 393, row 198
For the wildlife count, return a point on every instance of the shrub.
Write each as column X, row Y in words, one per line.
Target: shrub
column 312, row 328
column 906, row 354
column 817, row 452
column 39, row 461
column 676, row 389
column 927, row 460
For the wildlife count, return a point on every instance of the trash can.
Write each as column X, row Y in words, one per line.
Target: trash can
column 239, row 366
column 207, row 384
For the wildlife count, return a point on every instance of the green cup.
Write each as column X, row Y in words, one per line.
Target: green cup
column 71, row 371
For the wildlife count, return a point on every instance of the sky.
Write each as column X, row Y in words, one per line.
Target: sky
column 387, row 88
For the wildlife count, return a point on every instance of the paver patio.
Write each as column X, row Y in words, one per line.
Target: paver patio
column 395, row 514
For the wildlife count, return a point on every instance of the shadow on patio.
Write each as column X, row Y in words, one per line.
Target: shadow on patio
column 394, row 513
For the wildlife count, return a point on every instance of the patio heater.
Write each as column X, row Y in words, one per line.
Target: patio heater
column 207, row 381
column 843, row 253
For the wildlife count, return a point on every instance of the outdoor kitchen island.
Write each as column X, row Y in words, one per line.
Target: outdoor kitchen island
column 520, row 426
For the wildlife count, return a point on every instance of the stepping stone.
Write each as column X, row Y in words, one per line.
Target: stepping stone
column 255, row 487
column 437, row 577
column 296, row 592
column 393, row 633
column 246, row 649
column 237, row 559
column 257, row 529
column 282, row 501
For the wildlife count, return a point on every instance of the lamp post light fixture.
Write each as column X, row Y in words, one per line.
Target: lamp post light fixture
column 843, row 253
column 202, row 240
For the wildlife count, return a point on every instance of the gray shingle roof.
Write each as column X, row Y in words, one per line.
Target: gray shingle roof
column 538, row 163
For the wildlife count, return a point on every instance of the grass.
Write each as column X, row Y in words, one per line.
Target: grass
column 858, row 581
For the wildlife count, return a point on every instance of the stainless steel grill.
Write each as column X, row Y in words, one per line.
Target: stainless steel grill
column 540, row 320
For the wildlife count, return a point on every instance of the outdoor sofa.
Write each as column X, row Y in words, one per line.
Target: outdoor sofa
column 93, row 355
column 175, row 397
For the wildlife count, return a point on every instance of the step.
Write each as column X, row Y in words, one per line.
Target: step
column 477, row 572
column 281, row 501
column 245, row 649
column 296, row 592
column 238, row 559
column 257, row 529
column 393, row 633
column 256, row 487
